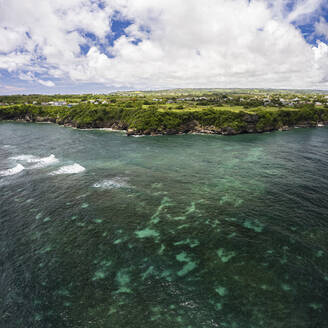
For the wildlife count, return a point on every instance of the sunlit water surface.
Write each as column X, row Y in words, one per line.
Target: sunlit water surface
column 102, row 230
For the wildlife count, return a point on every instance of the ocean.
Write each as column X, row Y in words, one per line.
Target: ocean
column 102, row 230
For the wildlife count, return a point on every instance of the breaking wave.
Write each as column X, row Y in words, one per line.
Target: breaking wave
column 40, row 161
column 45, row 161
column 69, row 169
column 18, row 168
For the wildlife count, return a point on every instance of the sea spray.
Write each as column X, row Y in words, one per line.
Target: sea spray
column 69, row 169
column 18, row 168
column 39, row 161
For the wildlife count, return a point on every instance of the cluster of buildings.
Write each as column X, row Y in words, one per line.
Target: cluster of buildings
column 64, row 103
column 171, row 101
column 265, row 100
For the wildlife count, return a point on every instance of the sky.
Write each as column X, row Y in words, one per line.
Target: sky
column 100, row 46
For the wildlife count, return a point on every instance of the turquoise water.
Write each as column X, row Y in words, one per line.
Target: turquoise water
column 102, row 230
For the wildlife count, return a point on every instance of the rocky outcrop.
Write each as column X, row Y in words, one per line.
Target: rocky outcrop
column 284, row 128
column 192, row 127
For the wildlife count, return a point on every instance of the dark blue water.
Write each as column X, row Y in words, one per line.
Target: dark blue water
column 102, row 230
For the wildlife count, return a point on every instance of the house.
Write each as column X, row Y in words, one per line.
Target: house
column 58, row 103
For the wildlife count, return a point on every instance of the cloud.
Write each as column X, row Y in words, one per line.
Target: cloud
column 321, row 27
column 14, row 61
column 29, row 76
column 188, row 43
column 48, row 84
column 304, row 9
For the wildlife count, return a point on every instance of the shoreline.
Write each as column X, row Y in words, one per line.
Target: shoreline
column 210, row 130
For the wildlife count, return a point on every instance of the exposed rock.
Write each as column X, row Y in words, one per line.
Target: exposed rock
column 189, row 126
column 251, row 128
column 173, row 131
column 305, row 124
column 45, row 119
column 284, row 128
column 229, row 131
column 131, row 132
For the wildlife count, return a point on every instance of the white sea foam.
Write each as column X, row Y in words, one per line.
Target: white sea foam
column 25, row 158
column 112, row 183
column 69, row 169
column 18, row 168
column 45, row 161
column 40, row 161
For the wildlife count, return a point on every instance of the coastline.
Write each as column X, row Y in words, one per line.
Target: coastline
column 155, row 121
column 196, row 130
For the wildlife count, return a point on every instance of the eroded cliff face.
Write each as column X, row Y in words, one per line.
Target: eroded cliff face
column 234, row 124
column 250, row 126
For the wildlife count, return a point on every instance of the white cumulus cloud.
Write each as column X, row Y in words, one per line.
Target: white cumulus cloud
column 185, row 43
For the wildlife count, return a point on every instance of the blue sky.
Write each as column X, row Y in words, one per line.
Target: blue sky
column 82, row 46
column 308, row 30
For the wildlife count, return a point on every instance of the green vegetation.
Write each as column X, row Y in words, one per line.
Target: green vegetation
column 171, row 112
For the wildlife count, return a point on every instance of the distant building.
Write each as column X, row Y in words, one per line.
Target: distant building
column 58, row 103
